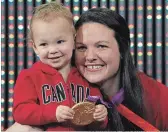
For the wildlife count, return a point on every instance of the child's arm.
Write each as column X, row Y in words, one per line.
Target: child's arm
column 101, row 119
column 100, row 116
column 26, row 110
column 98, row 125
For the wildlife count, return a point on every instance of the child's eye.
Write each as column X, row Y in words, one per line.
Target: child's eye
column 43, row 44
column 81, row 48
column 60, row 41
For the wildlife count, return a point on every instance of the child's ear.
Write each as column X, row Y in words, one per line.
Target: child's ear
column 34, row 48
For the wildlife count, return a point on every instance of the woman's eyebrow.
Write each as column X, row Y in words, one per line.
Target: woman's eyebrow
column 103, row 41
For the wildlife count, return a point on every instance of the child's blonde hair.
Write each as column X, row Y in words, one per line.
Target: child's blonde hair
column 50, row 11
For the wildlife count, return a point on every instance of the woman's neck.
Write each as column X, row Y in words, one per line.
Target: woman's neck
column 111, row 86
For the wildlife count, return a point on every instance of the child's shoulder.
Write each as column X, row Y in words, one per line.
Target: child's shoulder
column 75, row 72
column 29, row 71
column 76, row 76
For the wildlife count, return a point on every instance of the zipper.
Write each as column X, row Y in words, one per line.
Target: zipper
column 67, row 83
column 69, row 102
column 69, row 95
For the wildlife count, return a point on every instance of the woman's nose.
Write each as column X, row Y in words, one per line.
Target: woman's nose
column 90, row 55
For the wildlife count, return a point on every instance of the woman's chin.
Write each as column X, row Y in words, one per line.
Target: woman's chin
column 94, row 80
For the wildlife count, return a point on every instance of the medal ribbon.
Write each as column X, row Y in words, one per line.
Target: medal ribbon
column 124, row 111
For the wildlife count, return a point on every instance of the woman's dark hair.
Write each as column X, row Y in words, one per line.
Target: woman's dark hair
column 128, row 73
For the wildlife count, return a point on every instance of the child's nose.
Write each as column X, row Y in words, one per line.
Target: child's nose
column 53, row 50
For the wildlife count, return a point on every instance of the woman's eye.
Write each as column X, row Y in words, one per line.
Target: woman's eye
column 43, row 44
column 102, row 46
column 60, row 41
column 81, row 48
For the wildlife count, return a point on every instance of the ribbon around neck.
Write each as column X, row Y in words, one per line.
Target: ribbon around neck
column 124, row 111
column 116, row 100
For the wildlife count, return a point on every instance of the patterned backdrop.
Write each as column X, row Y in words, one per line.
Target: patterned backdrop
column 147, row 20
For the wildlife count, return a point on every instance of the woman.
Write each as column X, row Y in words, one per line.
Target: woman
column 103, row 57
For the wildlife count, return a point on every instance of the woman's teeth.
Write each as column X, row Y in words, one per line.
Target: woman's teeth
column 94, row 67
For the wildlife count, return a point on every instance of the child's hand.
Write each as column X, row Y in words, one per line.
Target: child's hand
column 64, row 113
column 100, row 113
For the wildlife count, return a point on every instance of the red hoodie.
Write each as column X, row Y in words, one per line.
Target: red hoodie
column 41, row 89
column 156, row 101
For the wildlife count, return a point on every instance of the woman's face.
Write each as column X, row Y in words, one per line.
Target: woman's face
column 97, row 53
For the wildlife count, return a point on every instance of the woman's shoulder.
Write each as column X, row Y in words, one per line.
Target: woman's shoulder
column 155, row 96
column 152, row 89
column 149, row 83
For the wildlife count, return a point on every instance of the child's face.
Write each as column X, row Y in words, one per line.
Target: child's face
column 53, row 42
